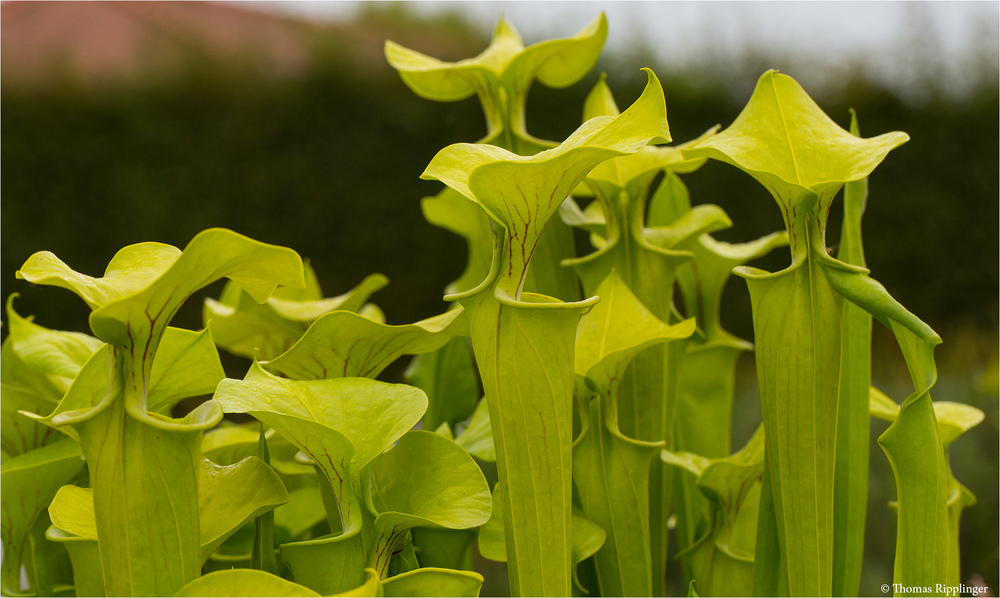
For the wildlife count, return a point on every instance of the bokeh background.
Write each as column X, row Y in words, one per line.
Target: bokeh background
column 126, row 122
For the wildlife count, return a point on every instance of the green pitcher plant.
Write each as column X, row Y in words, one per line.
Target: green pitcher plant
column 611, row 471
column 953, row 420
column 142, row 462
column 243, row 327
column 346, row 427
column 707, row 369
column 340, row 343
column 587, row 538
column 721, row 561
column 228, row 497
column 30, row 483
column 501, row 77
column 39, row 366
column 521, row 339
column 565, row 415
column 850, row 495
column 786, row 142
column 647, row 259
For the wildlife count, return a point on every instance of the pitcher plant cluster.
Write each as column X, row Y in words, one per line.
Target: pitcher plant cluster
column 603, row 397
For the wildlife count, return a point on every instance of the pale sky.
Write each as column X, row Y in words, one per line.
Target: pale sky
column 893, row 41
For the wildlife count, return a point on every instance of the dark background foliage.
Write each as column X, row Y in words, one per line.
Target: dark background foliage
column 326, row 160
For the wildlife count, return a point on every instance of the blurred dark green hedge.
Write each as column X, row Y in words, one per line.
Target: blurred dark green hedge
column 329, row 163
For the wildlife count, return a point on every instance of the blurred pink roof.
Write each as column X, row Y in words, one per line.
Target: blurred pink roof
column 97, row 42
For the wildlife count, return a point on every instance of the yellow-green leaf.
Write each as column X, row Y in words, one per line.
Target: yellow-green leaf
column 243, row 582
